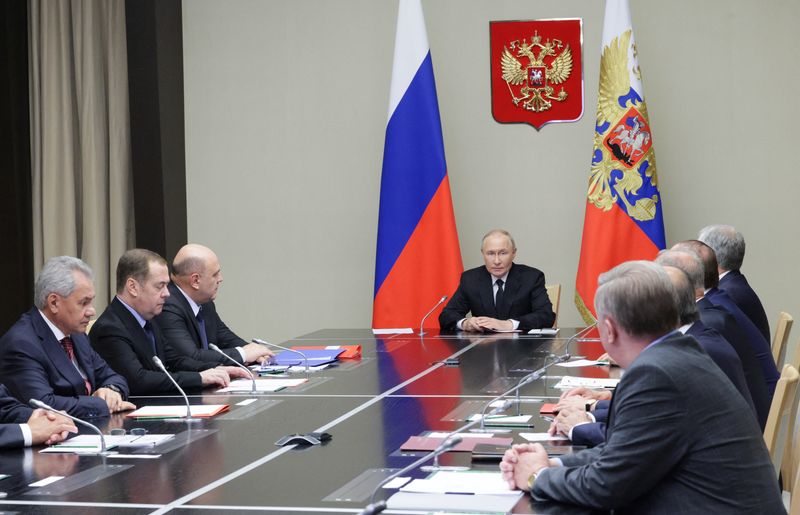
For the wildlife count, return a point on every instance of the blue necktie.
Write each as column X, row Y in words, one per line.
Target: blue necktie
column 201, row 323
column 148, row 330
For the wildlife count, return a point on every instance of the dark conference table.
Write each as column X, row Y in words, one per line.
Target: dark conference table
column 230, row 463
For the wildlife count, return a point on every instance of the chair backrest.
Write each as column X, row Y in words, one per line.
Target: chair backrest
column 794, row 499
column 554, row 292
column 781, row 338
column 782, row 412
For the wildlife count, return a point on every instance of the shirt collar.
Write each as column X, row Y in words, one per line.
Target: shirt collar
column 723, row 274
column 192, row 304
column 662, row 338
column 135, row 313
column 685, row 327
column 504, row 278
column 56, row 331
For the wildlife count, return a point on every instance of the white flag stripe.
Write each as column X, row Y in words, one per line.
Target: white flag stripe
column 410, row 49
column 617, row 20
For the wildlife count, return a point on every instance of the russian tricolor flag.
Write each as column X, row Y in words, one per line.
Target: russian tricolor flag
column 418, row 258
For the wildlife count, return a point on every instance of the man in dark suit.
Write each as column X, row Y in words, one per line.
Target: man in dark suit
column 717, row 297
column 21, row 426
column 190, row 321
column 729, row 247
column 676, row 441
column 46, row 354
column 574, row 421
column 125, row 336
column 501, row 295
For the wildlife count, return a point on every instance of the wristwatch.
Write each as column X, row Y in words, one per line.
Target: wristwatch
column 532, row 479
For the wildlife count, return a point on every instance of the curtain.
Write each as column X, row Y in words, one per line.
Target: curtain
column 80, row 135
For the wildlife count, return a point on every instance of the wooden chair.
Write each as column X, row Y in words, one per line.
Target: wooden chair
column 781, row 338
column 554, row 292
column 794, row 494
column 780, row 422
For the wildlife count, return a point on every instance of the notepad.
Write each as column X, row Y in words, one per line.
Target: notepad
column 178, row 411
column 349, row 351
column 503, row 420
column 587, row 382
column 82, row 444
column 262, row 385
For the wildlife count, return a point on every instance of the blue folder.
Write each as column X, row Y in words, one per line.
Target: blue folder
column 315, row 357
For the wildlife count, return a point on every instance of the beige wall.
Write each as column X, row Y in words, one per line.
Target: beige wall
column 286, row 107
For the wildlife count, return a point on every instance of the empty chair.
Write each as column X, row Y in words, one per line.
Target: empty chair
column 781, row 338
column 782, row 412
column 554, row 292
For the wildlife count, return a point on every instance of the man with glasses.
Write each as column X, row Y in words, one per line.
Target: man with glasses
column 501, row 295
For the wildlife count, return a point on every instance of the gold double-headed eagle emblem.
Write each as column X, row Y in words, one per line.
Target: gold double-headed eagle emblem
column 537, row 78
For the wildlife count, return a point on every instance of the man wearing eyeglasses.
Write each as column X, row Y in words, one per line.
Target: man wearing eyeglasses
column 499, row 296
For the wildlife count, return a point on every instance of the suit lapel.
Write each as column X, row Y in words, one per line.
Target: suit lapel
column 511, row 289
column 175, row 292
column 55, row 352
column 140, row 339
column 81, row 355
column 487, row 294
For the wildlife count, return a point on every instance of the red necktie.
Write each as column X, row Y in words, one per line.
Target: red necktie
column 69, row 348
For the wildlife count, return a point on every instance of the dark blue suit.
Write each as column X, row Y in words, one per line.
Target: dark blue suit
column 33, row 365
column 12, row 413
column 723, row 322
column 756, row 340
column 735, row 284
column 525, row 299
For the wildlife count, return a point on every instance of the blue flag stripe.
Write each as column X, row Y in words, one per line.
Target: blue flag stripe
column 413, row 168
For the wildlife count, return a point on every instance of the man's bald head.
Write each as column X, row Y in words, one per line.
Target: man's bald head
column 689, row 262
column 707, row 256
column 196, row 271
column 687, row 307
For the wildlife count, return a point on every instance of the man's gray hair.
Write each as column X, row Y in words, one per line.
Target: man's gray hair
column 687, row 261
column 728, row 244
column 57, row 276
column 640, row 296
column 501, row 232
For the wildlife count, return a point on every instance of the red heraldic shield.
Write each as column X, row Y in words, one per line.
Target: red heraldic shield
column 537, row 71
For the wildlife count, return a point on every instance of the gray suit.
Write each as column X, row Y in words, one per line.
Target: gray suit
column 677, row 442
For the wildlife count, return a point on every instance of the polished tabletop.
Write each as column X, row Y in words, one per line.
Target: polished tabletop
column 399, row 387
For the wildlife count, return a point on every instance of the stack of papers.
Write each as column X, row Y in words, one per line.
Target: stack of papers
column 504, row 420
column 198, row 410
column 468, row 442
column 91, row 443
column 394, row 330
column 262, row 385
column 476, row 482
column 568, row 382
column 548, row 331
column 581, row 363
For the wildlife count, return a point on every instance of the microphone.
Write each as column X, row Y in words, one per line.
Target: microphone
column 161, row 366
column 268, row 344
column 374, row 508
column 39, row 404
column 533, row 376
column 435, row 466
column 421, row 331
column 252, row 377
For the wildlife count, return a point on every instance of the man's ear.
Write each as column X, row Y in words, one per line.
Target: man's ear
column 52, row 303
column 194, row 280
column 132, row 287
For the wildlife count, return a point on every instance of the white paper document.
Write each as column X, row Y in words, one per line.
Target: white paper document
column 46, row 481
column 502, row 419
column 396, row 483
column 82, row 444
column 543, row 437
column 396, row 330
column 470, row 482
column 568, row 382
column 178, row 411
column 581, row 363
column 262, row 385
column 548, row 331
column 443, row 434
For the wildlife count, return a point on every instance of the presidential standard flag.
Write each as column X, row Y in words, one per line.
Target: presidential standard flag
column 623, row 218
column 418, row 259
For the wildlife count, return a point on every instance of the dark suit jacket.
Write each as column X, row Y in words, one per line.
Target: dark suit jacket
column 723, row 322
column 735, row 284
column 182, row 331
column 12, row 413
column 525, row 296
column 756, row 340
column 676, row 443
column 720, row 352
column 33, row 365
column 118, row 337
column 724, row 356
